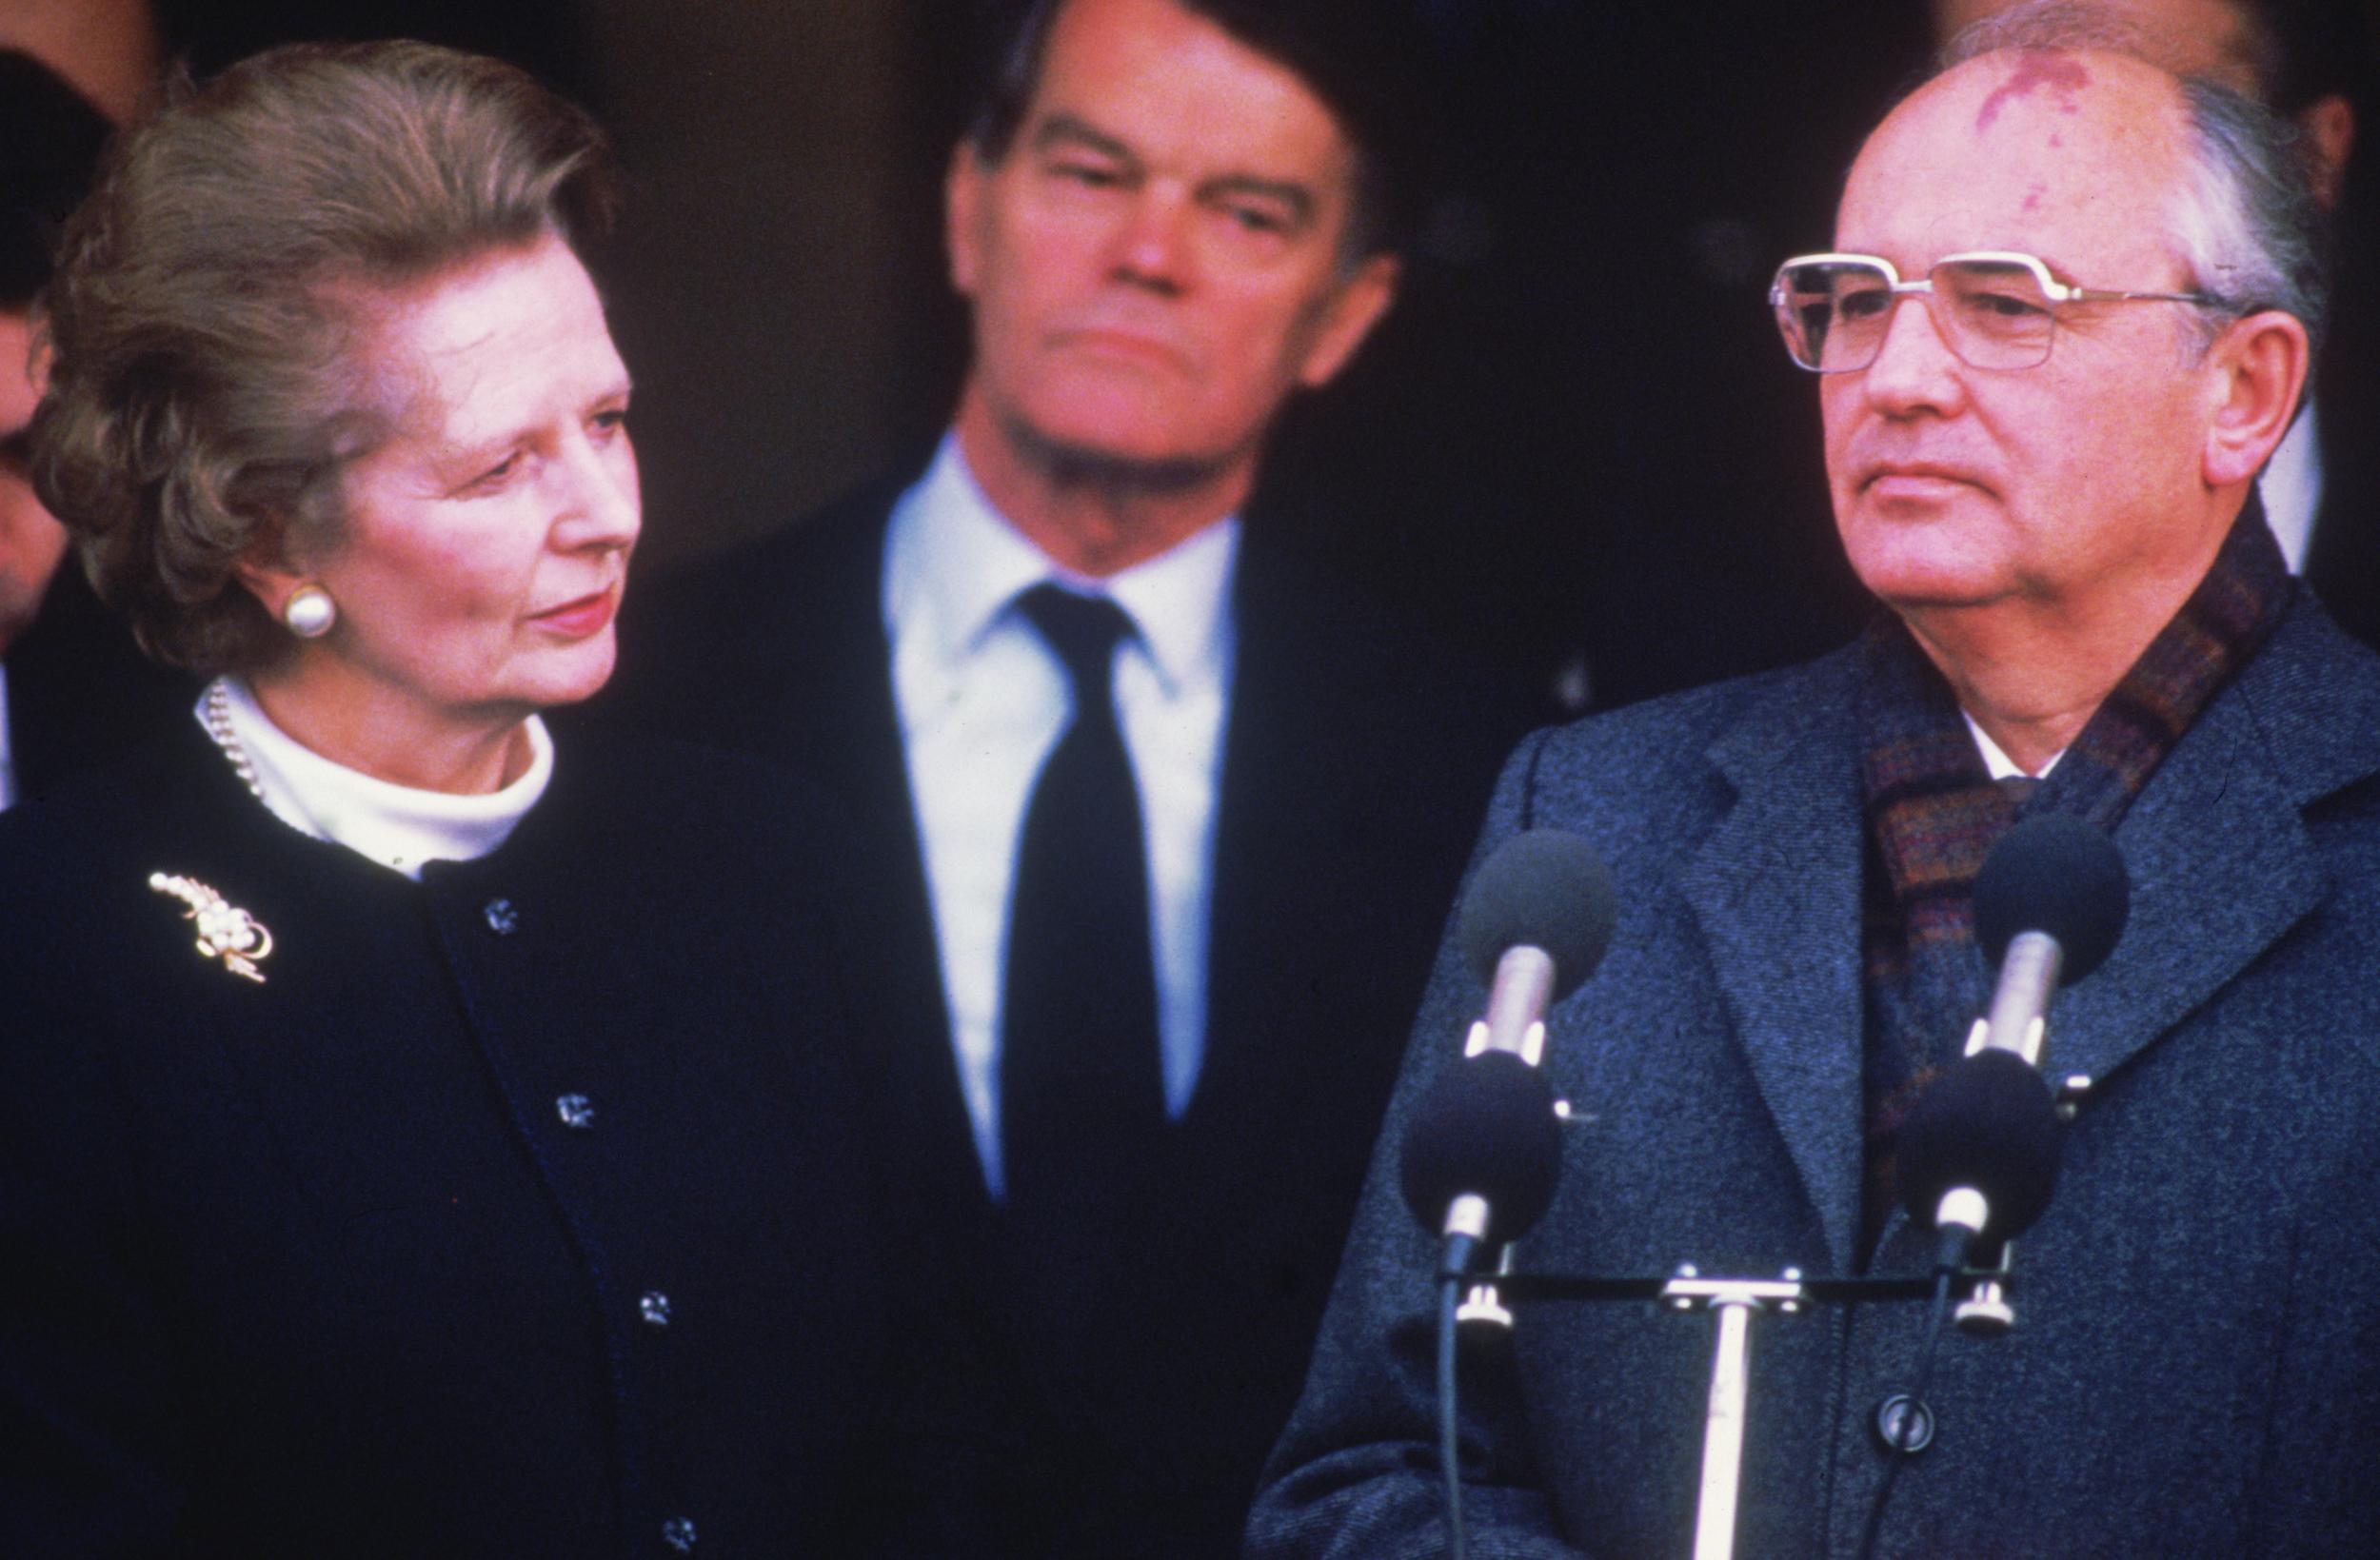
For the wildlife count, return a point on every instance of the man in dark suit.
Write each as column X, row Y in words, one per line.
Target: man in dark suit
column 73, row 687
column 1164, row 819
column 2064, row 321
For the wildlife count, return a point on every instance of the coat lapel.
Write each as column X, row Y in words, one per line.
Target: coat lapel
column 1283, row 811
column 829, row 714
column 2221, row 862
column 1774, row 888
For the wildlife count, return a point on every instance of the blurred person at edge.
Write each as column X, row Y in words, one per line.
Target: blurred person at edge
column 2064, row 319
column 417, row 1137
column 2313, row 61
column 73, row 688
column 1137, row 1136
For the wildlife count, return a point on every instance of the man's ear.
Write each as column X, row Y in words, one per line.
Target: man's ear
column 1348, row 318
column 963, row 199
column 2257, row 371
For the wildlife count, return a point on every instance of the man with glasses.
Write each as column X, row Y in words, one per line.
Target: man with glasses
column 2064, row 319
column 2314, row 62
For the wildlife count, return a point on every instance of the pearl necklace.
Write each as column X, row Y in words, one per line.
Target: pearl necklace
column 218, row 720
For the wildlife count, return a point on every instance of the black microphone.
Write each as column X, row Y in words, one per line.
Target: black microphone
column 1980, row 1152
column 1483, row 1148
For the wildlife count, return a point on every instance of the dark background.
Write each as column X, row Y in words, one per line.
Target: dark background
column 1576, row 445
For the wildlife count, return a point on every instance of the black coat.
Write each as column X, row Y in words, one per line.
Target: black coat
column 322, row 1266
column 80, row 692
column 1358, row 762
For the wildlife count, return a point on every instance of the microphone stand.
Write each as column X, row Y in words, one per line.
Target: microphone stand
column 1733, row 1302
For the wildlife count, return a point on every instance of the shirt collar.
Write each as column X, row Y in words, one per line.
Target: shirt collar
column 1996, row 759
column 954, row 565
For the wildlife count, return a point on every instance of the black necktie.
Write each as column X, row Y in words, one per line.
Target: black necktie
column 1082, row 1103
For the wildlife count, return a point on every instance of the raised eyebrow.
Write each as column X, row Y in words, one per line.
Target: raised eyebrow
column 1067, row 130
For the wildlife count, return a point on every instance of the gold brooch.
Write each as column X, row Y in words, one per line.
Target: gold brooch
column 224, row 931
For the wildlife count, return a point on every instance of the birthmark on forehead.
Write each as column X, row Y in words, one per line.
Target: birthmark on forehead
column 2036, row 69
column 2036, row 189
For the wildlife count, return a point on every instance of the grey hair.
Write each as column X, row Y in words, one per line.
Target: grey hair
column 2244, row 219
column 210, row 315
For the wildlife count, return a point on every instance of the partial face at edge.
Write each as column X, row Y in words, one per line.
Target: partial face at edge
column 31, row 540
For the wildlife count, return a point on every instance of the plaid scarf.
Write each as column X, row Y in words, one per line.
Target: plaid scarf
column 1935, row 812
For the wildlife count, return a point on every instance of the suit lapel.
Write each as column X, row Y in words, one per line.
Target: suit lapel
column 837, row 723
column 1774, row 889
column 1273, row 805
column 2221, row 862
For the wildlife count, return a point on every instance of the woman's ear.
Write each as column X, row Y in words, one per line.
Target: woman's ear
column 265, row 569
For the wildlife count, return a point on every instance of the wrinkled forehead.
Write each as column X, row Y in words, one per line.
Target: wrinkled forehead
column 2070, row 154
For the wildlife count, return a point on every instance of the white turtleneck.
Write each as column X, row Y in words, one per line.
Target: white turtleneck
column 396, row 825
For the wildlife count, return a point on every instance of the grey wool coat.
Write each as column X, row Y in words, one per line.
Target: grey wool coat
column 2196, row 1369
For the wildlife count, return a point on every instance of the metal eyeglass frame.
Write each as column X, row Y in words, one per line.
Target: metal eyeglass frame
column 2053, row 289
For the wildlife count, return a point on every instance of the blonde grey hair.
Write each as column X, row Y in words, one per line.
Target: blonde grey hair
column 205, row 388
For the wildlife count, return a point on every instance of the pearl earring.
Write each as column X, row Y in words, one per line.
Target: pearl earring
column 309, row 612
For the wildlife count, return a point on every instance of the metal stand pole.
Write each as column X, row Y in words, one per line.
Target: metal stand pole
column 1734, row 1301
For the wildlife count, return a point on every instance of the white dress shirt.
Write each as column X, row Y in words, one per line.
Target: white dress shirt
column 2291, row 488
column 982, row 702
column 1996, row 759
column 396, row 825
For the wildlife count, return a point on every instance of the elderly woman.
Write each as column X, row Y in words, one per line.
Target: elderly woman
column 415, row 1139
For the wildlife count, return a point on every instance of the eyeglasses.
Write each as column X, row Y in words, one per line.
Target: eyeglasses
column 1995, row 309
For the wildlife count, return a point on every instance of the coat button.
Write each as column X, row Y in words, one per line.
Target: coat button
column 503, row 919
column 679, row 1535
column 654, row 1308
column 1904, row 1424
column 576, row 1110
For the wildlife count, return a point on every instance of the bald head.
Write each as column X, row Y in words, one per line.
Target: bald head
column 2045, row 520
column 2295, row 59
column 2217, row 39
column 2034, row 150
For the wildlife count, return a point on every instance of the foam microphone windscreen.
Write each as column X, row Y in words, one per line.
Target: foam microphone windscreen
column 1988, row 1124
column 1485, row 1127
column 1542, row 888
column 2057, row 875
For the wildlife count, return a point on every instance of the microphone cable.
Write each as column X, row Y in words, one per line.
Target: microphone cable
column 1898, row 1448
column 1450, row 1292
column 1450, row 1282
